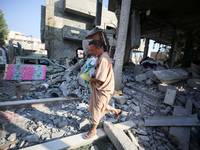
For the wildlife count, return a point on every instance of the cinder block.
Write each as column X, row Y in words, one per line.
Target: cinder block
column 119, row 99
column 120, row 140
column 170, row 97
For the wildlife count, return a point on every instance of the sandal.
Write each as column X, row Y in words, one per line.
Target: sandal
column 89, row 135
column 117, row 115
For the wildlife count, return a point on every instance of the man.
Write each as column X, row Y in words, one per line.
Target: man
column 102, row 86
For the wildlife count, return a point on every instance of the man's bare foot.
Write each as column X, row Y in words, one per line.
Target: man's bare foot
column 90, row 134
column 118, row 113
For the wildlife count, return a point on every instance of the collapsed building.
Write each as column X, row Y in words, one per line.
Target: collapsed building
column 65, row 23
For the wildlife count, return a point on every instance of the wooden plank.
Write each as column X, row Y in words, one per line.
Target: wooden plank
column 186, row 120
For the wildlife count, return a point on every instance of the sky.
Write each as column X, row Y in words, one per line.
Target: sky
column 23, row 15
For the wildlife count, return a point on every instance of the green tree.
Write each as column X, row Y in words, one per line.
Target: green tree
column 3, row 28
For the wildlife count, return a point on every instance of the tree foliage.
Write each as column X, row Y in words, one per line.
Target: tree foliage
column 3, row 28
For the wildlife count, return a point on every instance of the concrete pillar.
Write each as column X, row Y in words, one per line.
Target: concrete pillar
column 121, row 42
column 128, row 48
column 98, row 13
column 188, row 47
column 146, row 48
column 172, row 52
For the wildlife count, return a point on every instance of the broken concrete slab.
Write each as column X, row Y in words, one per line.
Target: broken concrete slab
column 166, row 110
column 184, row 120
column 140, row 77
column 149, row 74
column 138, row 69
column 76, row 141
column 118, row 137
column 170, row 97
column 133, row 139
column 70, row 142
column 195, row 68
column 171, row 75
column 181, row 135
column 163, row 87
column 194, row 83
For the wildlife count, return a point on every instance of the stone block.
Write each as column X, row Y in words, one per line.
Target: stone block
column 170, row 97
column 193, row 83
column 149, row 82
column 140, row 77
column 149, row 74
column 180, row 135
column 118, row 137
column 119, row 99
column 138, row 69
column 163, row 87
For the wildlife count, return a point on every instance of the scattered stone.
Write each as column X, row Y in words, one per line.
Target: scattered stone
column 119, row 99
column 56, row 121
column 161, row 148
column 12, row 137
column 193, row 83
column 57, row 134
column 129, row 102
column 163, row 87
column 166, row 110
column 152, row 112
column 144, row 138
column 149, row 82
column 84, row 125
column 170, row 97
column 135, row 102
column 140, row 77
column 136, row 108
column 31, row 138
column 141, row 124
column 63, row 123
column 146, row 144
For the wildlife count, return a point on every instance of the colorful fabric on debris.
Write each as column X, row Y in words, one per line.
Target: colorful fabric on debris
column 24, row 72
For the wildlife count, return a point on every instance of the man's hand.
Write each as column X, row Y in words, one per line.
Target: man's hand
column 93, row 80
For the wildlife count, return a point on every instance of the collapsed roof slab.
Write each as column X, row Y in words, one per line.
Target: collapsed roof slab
column 170, row 75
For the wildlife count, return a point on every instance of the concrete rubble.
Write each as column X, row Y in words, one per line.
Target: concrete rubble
column 29, row 126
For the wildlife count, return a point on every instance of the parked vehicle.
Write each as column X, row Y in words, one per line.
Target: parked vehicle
column 51, row 67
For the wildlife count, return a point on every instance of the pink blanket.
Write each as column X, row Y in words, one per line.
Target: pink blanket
column 24, row 72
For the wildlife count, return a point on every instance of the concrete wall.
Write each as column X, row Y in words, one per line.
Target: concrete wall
column 66, row 24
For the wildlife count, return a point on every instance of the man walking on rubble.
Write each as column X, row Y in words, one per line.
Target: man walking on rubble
column 102, row 86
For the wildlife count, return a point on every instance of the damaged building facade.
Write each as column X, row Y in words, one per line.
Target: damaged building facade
column 65, row 23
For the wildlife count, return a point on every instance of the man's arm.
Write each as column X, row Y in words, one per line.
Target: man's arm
column 92, row 80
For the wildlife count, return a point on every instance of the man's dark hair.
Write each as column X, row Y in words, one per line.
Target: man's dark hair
column 96, row 43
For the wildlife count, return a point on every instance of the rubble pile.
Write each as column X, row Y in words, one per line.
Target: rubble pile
column 145, row 96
